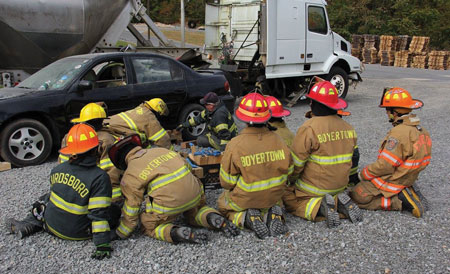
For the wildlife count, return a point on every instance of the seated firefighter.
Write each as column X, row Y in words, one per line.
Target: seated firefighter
column 144, row 121
column 389, row 182
column 323, row 152
column 78, row 205
column 93, row 115
column 220, row 123
column 254, row 172
column 172, row 190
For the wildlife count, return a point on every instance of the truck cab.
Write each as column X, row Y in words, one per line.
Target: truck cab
column 286, row 42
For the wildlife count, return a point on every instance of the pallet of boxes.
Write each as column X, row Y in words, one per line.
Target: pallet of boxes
column 205, row 163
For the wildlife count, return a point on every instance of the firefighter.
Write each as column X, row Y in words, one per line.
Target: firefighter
column 389, row 182
column 220, row 123
column 93, row 114
column 323, row 150
column 254, row 171
column 142, row 120
column 172, row 190
column 277, row 120
column 78, row 205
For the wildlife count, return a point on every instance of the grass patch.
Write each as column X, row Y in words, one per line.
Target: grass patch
column 121, row 43
column 191, row 37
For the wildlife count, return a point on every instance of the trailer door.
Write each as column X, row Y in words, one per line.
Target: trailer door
column 285, row 38
column 319, row 40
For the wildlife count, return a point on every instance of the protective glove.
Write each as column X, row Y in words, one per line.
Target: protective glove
column 102, row 251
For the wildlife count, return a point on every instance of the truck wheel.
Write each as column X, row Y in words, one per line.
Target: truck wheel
column 25, row 142
column 192, row 24
column 188, row 112
column 339, row 78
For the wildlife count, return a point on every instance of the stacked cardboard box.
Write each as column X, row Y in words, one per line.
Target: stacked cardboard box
column 403, row 59
column 420, row 60
column 419, row 44
column 438, row 60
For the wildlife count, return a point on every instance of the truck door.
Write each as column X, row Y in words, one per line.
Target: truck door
column 285, row 38
column 319, row 40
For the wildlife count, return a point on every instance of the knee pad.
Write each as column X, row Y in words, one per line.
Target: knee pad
column 360, row 195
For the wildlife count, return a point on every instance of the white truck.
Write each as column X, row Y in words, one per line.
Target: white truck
column 279, row 44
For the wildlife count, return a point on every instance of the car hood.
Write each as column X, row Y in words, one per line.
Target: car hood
column 7, row 93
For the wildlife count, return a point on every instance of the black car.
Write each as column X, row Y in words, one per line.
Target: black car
column 36, row 114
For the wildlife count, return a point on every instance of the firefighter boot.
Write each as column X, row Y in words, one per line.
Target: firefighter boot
column 410, row 203
column 254, row 222
column 347, row 207
column 415, row 191
column 328, row 211
column 188, row 235
column 276, row 222
column 221, row 223
column 21, row 228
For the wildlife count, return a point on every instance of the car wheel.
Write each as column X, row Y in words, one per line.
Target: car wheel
column 188, row 112
column 25, row 142
column 339, row 78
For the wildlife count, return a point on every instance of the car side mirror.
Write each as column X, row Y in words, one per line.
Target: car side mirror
column 85, row 85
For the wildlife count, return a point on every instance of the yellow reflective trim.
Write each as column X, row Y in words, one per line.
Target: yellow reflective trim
column 59, row 235
column 63, row 158
column 315, row 190
column 261, row 185
column 168, row 178
column 220, row 127
column 131, row 125
column 69, row 207
column 129, row 210
column 100, row 226
column 227, row 177
column 158, row 135
column 116, row 192
column 236, row 219
column 175, row 210
column 290, row 169
column 297, row 161
column 99, row 202
column 331, row 160
column 198, row 217
column 160, row 231
column 105, row 163
column 232, row 204
column 310, row 207
column 353, row 170
column 124, row 229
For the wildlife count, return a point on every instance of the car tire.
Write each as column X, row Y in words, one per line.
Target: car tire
column 188, row 112
column 25, row 142
column 339, row 78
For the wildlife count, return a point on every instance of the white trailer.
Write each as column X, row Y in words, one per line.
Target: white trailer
column 279, row 45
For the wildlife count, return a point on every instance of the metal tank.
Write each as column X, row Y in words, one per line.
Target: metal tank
column 36, row 33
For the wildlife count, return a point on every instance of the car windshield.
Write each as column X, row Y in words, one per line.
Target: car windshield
column 56, row 75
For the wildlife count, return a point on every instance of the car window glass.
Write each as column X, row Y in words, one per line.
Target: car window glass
column 149, row 70
column 56, row 75
column 317, row 21
column 109, row 74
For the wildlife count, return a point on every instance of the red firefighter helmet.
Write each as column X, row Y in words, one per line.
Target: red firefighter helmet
column 276, row 107
column 326, row 93
column 399, row 98
column 253, row 109
column 80, row 139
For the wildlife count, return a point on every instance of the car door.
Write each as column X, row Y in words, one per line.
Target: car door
column 159, row 77
column 110, row 84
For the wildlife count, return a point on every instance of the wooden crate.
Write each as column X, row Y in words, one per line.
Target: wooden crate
column 202, row 160
column 420, row 60
column 387, row 57
column 403, row 59
column 403, row 42
column 419, row 44
column 370, row 55
column 438, row 60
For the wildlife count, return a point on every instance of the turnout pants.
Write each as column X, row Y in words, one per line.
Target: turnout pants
column 302, row 204
column 209, row 140
column 158, row 225
column 367, row 196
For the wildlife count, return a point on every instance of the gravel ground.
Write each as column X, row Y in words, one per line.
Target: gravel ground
column 384, row 242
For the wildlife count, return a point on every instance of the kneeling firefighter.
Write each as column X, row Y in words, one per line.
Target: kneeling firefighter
column 390, row 182
column 164, row 176
column 220, row 123
column 254, row 172
column 78, row 205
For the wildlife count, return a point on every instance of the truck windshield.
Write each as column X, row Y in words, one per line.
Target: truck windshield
column 56, row 75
